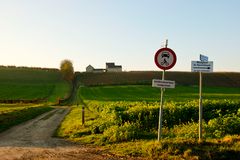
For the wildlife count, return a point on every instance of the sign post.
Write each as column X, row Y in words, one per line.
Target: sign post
column 165, row 59
column 161, row 110
column 201, row 66
column 200, row 106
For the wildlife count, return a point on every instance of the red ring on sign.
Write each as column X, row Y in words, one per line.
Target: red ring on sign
column 171, row 52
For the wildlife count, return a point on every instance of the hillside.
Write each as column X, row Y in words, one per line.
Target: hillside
column 222, row 79
column 31, row 84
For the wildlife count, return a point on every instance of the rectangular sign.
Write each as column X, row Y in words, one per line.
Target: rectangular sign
column 163, row 83
column 203, row 58
column 199, row 66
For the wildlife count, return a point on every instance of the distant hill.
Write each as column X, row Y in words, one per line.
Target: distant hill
column 22, row 83
column 224, row 79
column 25, row 74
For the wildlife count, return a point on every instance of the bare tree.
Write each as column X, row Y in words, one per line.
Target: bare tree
column 67, row 70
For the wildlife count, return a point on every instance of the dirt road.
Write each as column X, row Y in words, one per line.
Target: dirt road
column 33, row 141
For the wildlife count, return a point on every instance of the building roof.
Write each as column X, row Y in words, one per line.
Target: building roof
column 112, row 65
column 90, row 66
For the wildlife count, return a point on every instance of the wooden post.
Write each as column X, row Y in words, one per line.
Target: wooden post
column 83, row 115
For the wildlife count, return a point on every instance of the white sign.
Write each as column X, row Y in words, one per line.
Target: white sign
column 163, row 83
column 203, row 58
column 199, row 66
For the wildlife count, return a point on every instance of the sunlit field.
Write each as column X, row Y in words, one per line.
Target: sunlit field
column 32, row 84
column 148, row 93
column 124, row 119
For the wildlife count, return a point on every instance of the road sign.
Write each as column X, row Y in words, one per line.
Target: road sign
column 199, row 66
column 163, row 83
column 165, row 58
column 203, row 58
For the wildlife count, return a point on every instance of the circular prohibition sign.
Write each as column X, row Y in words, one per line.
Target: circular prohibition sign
column 165, row 58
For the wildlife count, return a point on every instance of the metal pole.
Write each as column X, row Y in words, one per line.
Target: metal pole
column 161, row 111
column 166, row 43
column 200, row 106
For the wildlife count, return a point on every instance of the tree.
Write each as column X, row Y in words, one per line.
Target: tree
column 67, row 70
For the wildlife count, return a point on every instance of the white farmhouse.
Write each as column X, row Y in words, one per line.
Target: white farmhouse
column 110, row 67
column 90, row 68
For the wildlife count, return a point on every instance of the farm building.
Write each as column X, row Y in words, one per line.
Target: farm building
column 90, row 68
column 110, row 67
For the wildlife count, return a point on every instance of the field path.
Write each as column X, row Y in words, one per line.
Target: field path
column 33, row 140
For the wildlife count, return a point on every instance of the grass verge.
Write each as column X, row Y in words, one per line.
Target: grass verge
column 72, row 127
column 176, row 144
column 19, row 115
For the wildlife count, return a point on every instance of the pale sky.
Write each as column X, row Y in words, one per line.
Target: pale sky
column 41, row 33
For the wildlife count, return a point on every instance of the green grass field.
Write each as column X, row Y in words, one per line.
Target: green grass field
column 148, row 93
column 28, row 84
column 123, row 120
column 6, row 108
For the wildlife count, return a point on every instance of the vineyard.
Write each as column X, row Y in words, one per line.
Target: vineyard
column 216, row 79
column 126, row 122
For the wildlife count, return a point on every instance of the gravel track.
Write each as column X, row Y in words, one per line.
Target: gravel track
column 33, row 140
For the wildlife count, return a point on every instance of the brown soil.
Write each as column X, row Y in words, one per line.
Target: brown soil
column 33, row 141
